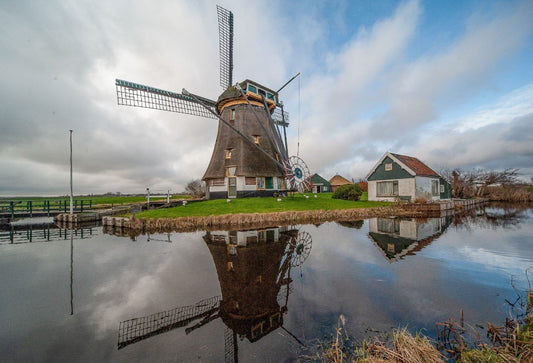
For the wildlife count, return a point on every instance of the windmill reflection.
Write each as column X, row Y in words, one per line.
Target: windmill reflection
column 397, row 237
column 254, row 272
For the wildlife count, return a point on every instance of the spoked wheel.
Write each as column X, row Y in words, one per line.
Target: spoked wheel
column 302, row 248
column 297, row 174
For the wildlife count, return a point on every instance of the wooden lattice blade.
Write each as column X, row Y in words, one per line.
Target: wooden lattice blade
column 138, row 95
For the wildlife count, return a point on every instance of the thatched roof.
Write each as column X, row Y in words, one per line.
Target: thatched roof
column 244, row 156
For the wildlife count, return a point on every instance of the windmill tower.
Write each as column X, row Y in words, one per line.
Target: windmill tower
column 250, row 155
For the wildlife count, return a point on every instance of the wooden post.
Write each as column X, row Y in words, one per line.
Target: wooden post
column 71, row 192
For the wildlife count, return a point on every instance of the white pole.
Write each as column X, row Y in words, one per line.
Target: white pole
column 148, row 197
column 71, row 193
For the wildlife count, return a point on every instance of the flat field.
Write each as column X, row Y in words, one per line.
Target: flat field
column 296, row 202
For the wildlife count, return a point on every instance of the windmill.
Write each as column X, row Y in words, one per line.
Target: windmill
column 250, row 156
column 254, row 272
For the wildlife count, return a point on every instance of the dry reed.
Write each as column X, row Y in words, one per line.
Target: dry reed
column 259, row 220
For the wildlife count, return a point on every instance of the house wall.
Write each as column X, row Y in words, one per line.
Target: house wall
column 447, row 194
column 396, row 173
column 243, row 190
column 406, row 188
column 423, row 188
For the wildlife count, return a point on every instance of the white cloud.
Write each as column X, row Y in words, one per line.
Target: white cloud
column 357, row 100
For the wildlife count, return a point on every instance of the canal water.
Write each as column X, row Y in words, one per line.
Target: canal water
column 263, row 295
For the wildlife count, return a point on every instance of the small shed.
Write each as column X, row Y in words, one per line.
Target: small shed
column 402, row 177
column 319, row 184
column 337, row 181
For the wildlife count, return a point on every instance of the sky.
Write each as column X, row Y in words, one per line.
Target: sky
column 448, row 82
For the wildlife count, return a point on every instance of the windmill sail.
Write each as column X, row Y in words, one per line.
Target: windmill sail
column 134, row 330
column 138, row 95
column 225, row 34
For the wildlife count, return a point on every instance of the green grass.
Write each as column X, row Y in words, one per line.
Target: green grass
column 297, row 202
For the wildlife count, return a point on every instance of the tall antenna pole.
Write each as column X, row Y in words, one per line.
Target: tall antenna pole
column 71, row 190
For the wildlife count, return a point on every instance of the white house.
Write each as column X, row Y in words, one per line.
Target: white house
column 400, row 177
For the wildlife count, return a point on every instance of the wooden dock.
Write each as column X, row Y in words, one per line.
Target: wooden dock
column 444, row 206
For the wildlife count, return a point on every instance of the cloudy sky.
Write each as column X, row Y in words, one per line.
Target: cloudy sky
column 448, row 82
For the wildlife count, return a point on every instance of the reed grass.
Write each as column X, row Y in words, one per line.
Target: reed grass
column 258, row 220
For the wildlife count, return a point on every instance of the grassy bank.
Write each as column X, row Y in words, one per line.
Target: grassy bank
column 297, row 202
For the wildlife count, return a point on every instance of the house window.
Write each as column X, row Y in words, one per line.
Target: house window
column 260, row 183
column 435, row 187
column 442, row 188
column 228, row 153
column 388, row 166
column 230, row 171
column 388, row 225
column 388, row 189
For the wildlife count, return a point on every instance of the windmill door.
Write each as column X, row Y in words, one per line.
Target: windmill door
column 232, row 187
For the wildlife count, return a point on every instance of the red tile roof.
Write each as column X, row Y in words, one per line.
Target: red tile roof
column 416, row 165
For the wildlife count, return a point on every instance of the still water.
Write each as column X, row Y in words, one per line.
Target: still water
column 258, row 295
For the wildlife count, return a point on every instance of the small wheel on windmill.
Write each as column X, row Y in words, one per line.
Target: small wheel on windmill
column 297, row 173
column 302, row 248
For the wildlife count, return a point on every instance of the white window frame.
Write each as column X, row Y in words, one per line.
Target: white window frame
column 394, row 188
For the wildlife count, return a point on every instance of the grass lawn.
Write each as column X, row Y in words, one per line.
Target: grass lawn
column 297, row 202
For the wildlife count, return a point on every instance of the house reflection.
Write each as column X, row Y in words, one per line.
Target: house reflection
column 254, row 272
column 397, row 237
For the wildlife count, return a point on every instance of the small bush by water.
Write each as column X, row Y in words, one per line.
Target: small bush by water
column 348, row 192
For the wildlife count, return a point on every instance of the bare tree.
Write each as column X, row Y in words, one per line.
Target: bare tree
column 195, row 188
column 468, row 184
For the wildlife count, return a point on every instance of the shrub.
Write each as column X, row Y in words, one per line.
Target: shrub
column 348, row 192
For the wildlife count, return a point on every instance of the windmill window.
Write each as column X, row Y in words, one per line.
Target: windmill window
column 262, row 92
column 230, row 171
column 232, row 115
column 228, row 153
column 260, row 183
column 256, row 139
column 270, row 96
column 388, row 166
column 442, row 188
column 252, row 88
